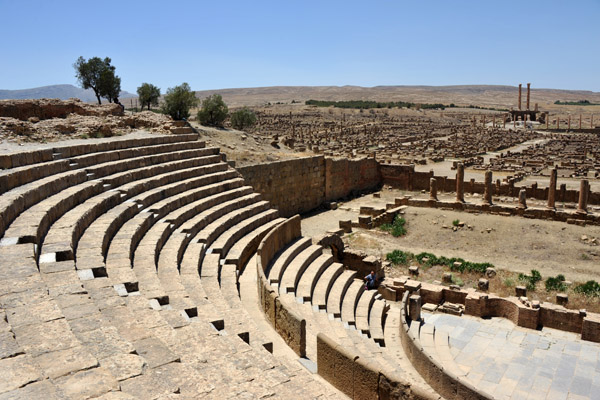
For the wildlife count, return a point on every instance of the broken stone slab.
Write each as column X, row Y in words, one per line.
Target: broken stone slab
column 124, row 366
column 89, row 383
column 16, row 372
column 483, row 284
column 64, row 362
column 412, row 286
column 521, row 291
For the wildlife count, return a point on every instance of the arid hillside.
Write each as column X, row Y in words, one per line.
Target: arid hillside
column 481, row 95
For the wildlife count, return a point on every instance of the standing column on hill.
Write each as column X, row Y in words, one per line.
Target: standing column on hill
column 487, row 194
column 552, row 189
column 584, row 190
column 460, row 183
column 433, row 189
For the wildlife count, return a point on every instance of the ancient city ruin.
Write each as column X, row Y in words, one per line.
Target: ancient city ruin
column 171, row 263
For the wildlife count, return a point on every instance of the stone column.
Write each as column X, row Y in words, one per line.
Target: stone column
column 414, row 307
column 522, row 198
column 433, row 189
column 579, row 121
column 569, row 123
column 528, row 92
column 552, row 189
column 487, row 195
column 520, row 96
column 592, row 122
column 584, row 190
column 460, row 182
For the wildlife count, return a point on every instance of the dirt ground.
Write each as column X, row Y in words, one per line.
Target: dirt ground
column 510, row 243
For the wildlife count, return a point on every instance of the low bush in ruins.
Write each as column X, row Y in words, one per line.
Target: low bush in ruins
column 396, row 228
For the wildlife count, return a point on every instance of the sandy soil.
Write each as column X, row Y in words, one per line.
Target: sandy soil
column 512, row 243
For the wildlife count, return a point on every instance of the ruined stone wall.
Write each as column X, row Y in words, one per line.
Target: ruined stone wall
column 292, row 186
column 286, row 321
column 54, row 108
column 359, row 379
column 344, row 177
column 301, row 185
column 405, row 177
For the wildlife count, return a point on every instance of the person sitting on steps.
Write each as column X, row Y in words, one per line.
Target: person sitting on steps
column 370, row 281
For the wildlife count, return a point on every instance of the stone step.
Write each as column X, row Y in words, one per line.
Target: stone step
column 324, row 284
column 296, row 267
column 311, row 275
column 363, row 308
column 350, row 300
column 336, row 294
column 281, row 262
column 376, row 321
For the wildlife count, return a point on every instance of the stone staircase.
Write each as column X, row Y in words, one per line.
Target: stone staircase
column 334, row 302
column 120, row 276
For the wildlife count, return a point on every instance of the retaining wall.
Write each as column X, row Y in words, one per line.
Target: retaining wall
column 359, row 379
column 301, row 185
column 286, row 322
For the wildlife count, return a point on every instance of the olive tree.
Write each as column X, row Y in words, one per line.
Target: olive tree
column 243, row 118
column 178, row 101
column 99, row 75
column 213, row 112
column 148, row 95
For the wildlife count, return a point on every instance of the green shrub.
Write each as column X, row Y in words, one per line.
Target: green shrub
column 396, row 228
column 213, row 112
column 178, row 101
column 508, row 282
column 457, row 281
column 399, row 257
column 590, row 288
column 556, row 283
column 455, row 222
column 243, row 118
column 427, row 259
column 531, row 280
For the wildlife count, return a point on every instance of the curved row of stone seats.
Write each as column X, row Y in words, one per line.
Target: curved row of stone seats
column 75, row 336
column 32, row 224
column 20, row 168
column 157, row 201
column 162, row 238
column 61, row 283
column 343, row 293
column 22, row 193
column 65, row 235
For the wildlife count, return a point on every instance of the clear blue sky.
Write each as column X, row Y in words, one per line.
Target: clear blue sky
column 225, row 44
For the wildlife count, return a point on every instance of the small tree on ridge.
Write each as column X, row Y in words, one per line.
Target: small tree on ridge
column 148, row 95
column 178, row 101
column 243, row 118
column 98, row 75
column 213, row 112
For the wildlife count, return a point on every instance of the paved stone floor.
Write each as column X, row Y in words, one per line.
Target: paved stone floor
column 511, row 362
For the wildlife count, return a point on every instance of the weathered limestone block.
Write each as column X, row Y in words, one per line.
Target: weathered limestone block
column 562, row 299
column 483, row 284
column 414, row 307
column 521, row 291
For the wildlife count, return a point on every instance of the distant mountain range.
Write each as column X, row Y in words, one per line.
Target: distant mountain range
column 62, row 92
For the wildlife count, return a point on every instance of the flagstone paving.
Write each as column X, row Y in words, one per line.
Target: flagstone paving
column 511, row 362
